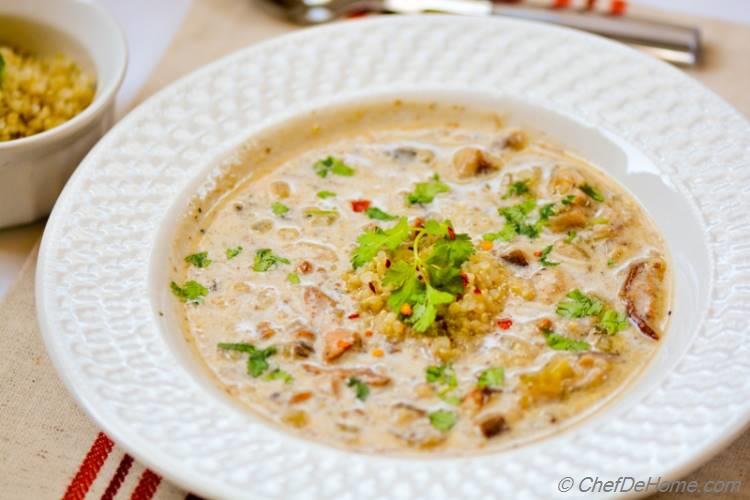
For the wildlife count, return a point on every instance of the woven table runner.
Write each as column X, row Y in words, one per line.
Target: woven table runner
column 50, row 449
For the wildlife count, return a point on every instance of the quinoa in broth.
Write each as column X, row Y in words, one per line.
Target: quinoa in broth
column 411, row 277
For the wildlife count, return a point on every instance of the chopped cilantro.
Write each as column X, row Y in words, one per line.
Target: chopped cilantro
column 546, row 211
column 491, row 377
column 611, row 262
column 568, row 200
column 279, row 374
column 199, row 259
column 371, row 242
column 516, row 222
column 257, row 360
column 543, row 258
column 293, row 278
column 613, row 321
column 378, row 214
column 441, row 374
column 265, row 259
column 571, row 236
column 279, row 208
column 233, row 252
column 518, row 188
column 361, row 389
column 332, row 165
column 442, row 420
column 425, row 192
column 191, row 292
column 326, row 194
column 579, row 305
column 591, row 192
column 560, row 343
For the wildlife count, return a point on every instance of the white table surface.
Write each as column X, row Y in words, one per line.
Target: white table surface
column 150, row 25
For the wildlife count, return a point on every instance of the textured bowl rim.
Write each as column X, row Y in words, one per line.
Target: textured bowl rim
column 166, row 465
column 101, row 99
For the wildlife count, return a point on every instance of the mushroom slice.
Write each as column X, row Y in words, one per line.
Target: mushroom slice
column 643, row 294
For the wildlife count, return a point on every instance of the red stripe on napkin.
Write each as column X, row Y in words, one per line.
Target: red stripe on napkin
column 146, row 487
column 89, row 468
column 118, row 477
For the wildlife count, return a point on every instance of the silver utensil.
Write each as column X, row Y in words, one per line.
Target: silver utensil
column 672, row 43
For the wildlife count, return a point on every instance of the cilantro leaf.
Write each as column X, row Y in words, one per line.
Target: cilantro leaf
column 442, row 374
column 424, row 314
column 326, row 194
column 568, row 200
column 199, row 259
column 516, row 220
column 613, row 321
column 191, row 292
column 425, row 192
column 293, row 278
column 332, row 165
column 571, row 236
column 407, row 289
column 279, row 208
column 491, row 377
column 546, row 211
column 560, row 343
column 279, row 374
column 265, row 259
column 257, row 358
column 518, row 188
column 543, row 258
column 444, row 264
column 442, row 420
column 436, row 228
column 591, row 192
column 378, row 214
column 233, row 252
column 506, row 233
column 370, row 242
column 579, row 305
column 361, row 389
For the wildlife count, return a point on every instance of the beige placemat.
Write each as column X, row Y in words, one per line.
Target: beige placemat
column 49, row 448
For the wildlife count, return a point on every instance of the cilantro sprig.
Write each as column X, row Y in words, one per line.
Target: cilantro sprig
column 579, row 305
column 371, row 242
column 257, row 360
column 491, row 378
column 561, row 343
column 199, row 259
column 190, row 292
column 332, row 165
column 361, row 389
column 425, row 192
column 430, row 278
column 265, row 259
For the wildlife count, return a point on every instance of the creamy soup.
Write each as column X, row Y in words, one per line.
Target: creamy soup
column 409, row 277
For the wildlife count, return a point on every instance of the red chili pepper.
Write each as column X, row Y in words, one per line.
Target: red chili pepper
column 465, row 279
column 537, row 254
column 451, row 233
column 360, row 205
column 353, row 316
column 371, row 286
column 477, row 291
column 504, row 324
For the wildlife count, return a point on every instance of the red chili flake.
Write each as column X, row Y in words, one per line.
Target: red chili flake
column 451, row 233
column 477, row 291
column 360, row 205
column 505, row 323
column 464, row 279
column 372, row 286
column 419, row 222
column 353, row 316
column 537, row 254
column 387, row 263
column 368, row 333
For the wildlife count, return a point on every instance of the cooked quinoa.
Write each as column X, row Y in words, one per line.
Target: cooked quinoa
column 39, row 93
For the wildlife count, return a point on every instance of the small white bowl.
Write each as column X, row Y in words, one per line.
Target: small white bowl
column 34, row 169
